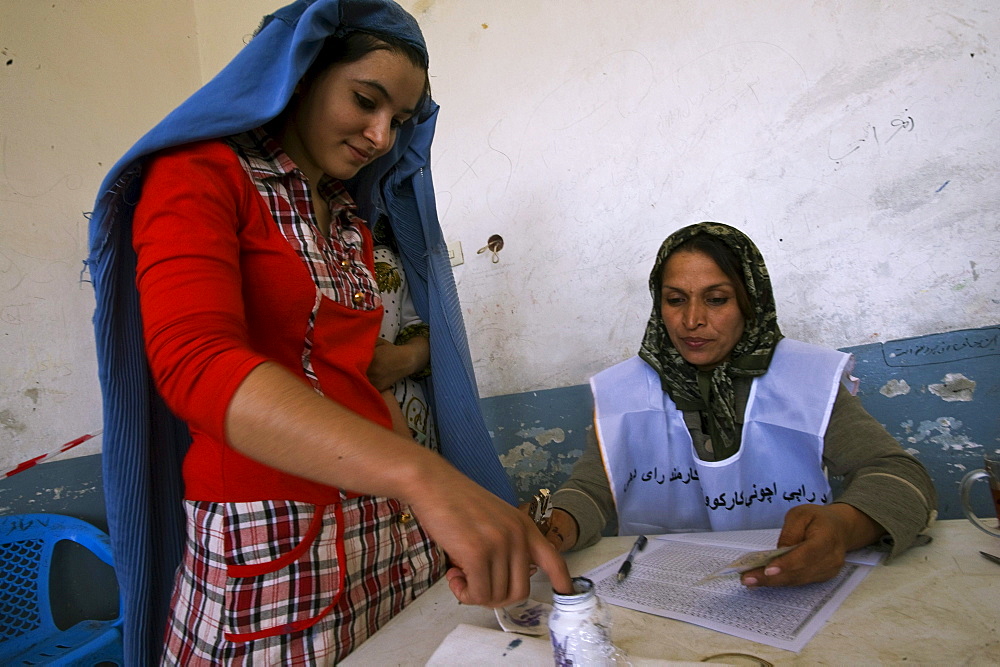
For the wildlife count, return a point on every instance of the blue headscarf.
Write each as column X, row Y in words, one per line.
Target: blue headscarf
column 144, row 444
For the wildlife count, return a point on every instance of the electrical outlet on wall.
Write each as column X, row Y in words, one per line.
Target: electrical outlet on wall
column 455, row 253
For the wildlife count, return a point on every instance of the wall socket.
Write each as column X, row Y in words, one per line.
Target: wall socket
column 455, row 253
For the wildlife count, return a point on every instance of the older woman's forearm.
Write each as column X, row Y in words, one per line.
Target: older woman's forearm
column 881, row 480
column 586, row 496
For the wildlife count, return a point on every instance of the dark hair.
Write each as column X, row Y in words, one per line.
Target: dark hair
column 727, row 261
column 357, row 44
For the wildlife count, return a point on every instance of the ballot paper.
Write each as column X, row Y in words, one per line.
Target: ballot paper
column 667, row 580
column 528, row 617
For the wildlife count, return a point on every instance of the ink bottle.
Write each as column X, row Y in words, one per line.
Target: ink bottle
column 580, row 628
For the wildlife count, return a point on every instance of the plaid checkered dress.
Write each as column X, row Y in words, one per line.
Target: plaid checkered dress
column 283, row 582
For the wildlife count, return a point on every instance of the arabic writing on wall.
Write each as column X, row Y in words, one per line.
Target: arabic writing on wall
column 932, row 349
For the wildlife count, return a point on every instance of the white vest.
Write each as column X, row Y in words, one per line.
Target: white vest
column 661, row 486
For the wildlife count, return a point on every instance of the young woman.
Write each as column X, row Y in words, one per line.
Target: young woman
column 309, row 523
column 720, row 423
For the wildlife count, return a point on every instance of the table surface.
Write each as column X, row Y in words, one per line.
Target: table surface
column 936, row 604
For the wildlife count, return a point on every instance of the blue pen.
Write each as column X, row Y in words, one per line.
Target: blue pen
column 640, row 544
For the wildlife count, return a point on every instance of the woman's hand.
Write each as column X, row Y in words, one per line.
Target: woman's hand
column 391, row 363
column 278, row 419
column 493, row 547
column 824, row 534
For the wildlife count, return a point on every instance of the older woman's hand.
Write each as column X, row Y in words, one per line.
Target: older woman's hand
column 824, row 533
column 562, row 531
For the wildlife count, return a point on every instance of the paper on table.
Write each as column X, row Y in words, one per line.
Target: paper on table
column 664, row 582
column 471, row 645
column 762, row 539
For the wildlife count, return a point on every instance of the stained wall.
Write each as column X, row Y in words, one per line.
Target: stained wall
column 854, row 141
column 79, row 83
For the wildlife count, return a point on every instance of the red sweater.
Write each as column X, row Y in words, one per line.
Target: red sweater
column 221, row 291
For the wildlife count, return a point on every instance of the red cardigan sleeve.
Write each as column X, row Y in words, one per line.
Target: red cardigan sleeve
column 186, row 233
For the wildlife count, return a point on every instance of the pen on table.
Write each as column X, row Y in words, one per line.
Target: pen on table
column 995, row 559
column 640, row 544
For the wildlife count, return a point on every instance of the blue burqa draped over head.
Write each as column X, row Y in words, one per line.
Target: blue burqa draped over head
column 144, row 444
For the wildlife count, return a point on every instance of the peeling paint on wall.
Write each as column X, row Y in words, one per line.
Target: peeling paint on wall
column 954, row 387
column 940, row 432
column 532, row 467
column 525, row 459
column 895, row 387
column 62, row 493
column 73, row 487
column 543, row 436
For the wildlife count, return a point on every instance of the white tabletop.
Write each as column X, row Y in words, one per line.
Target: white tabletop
column 936, row 604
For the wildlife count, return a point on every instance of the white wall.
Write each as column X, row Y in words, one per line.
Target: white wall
column 79, row 82
column 855, row 141
column 224, row 26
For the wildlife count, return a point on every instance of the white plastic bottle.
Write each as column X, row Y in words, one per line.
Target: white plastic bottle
column 580, row 628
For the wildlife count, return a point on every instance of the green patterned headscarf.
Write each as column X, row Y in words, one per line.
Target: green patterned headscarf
column 711, row 392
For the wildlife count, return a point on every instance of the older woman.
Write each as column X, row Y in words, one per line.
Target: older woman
column 720, row 423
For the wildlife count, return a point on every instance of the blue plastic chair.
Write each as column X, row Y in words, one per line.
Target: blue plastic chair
column 28, row 634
